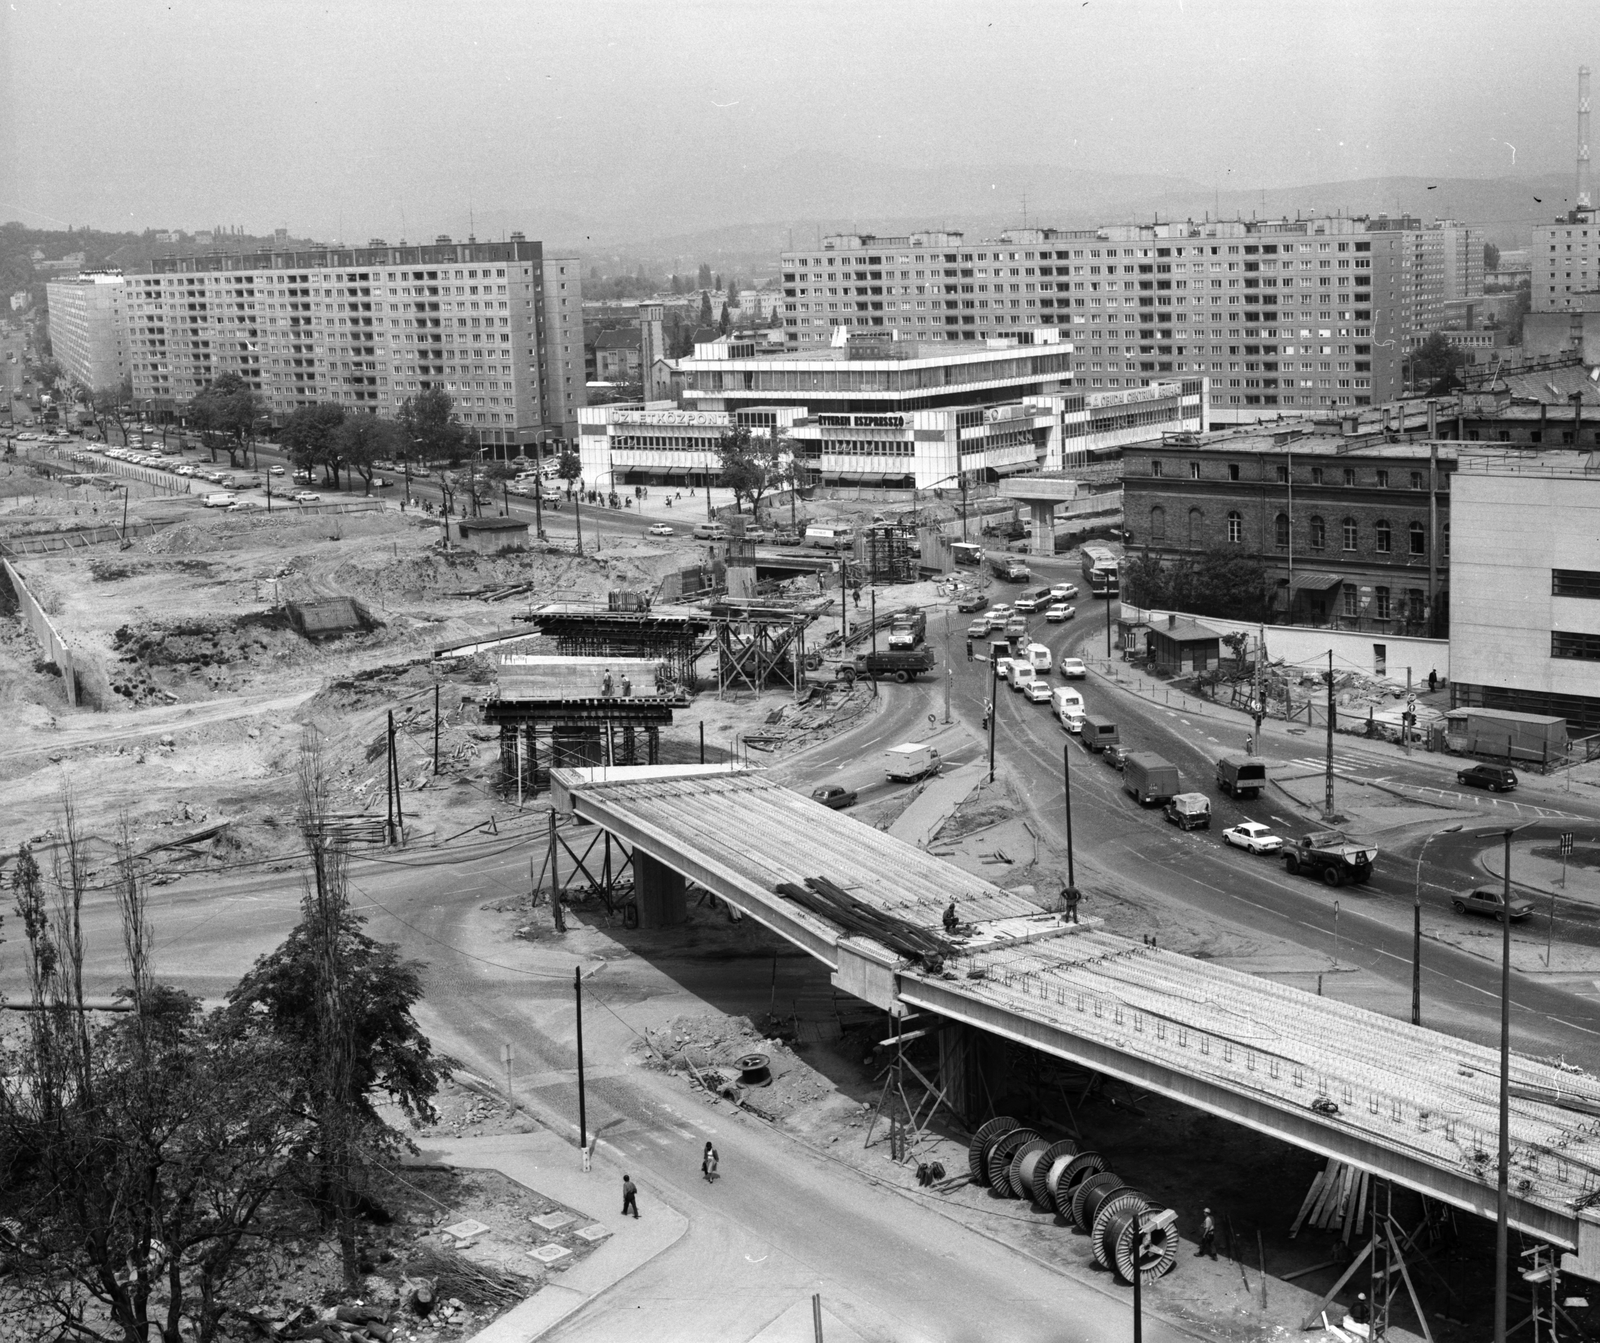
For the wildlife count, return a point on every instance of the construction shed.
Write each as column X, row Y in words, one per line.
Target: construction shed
column 1182, row 645
column 331, row 617
column 489, row 536
column 1506, row 735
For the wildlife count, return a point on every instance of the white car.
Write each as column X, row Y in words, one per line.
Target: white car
column 307, row 497
column 1253, row 837
column 1038, row 691
column 1063, row 592
column 1056, row 612
column 1072, row 668
column 275, row 470
column 660, row 529
column 1002, row 669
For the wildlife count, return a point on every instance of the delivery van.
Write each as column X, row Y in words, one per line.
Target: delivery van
column 1099, row 733
column 909, row 761
column 826, row 537
column 1038, row 658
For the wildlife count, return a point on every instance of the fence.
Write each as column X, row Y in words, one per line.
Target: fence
column 55, row 647
column 81, row 539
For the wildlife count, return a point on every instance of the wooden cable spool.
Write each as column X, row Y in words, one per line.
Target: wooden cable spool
column 979, row 1144
column 1023, row 1162
column 1000, row 1155
column 1064, row 1177
column 1097, row 1188
column 1118, row 1201
column 1062, row 1151
column 1157, row 1254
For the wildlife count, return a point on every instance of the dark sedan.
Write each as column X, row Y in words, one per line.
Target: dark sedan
column 1492, row 903
column 972, row 601
column 832, row 795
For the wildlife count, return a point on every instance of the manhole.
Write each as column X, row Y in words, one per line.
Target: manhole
column 466, row 1229
column 553, row 1221
column 549, row 1254
column 593, row 1233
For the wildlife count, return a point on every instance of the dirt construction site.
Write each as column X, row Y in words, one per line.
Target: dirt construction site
column 196, row 685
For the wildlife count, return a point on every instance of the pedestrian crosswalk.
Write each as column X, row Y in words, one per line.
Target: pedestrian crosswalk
column 1342, row 763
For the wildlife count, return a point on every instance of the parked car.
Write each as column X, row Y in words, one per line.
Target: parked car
column 1253, row 837
column 660, row 529
column 1496, row 778
column 972, row 601
column 275, row 470
column 1072, row 668
column 307, row 497
column 832, row 795
column 1491, row 903
column 1056, row 612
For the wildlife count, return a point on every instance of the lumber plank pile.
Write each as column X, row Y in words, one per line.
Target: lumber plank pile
column 1336, row 1201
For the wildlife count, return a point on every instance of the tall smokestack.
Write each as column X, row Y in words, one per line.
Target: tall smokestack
column 1585, row 198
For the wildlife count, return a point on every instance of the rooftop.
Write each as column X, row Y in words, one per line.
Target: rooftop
column 1311, row 438
column 1485, row 460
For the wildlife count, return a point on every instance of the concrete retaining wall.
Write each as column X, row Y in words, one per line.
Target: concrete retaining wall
column 45, row 632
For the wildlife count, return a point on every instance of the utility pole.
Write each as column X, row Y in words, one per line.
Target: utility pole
column 1327, row 786
column 583, row 1115
column 577, row 516
column 994, row 708
column 1258, row 706
column 1405, row 717
column 1108, row 612
column 1066, row 793
column 388, row 779
column 1501, row 1191
column 949, row 669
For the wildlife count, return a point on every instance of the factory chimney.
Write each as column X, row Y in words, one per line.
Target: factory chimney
column 1585, row 197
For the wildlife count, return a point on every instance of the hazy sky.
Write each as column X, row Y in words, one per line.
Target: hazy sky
column 388, row 117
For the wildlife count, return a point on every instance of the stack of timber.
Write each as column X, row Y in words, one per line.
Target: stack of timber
column 1336, row 1201
column 837, row 905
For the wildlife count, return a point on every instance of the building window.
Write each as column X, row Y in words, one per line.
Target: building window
column 1196, row 523
column 1233, row 470
column 1583, row 646
column 1194, row 470
column 1319, row 533
column 1316, row 475
column 1348, row 527
column 1283, row 475
column 1155, row 468
column 1352, row 600
column 1280, row 531
column 1380, row 603
column 1574, row 583
column 1382, row 538
column 1419, row 539
column 1416, row 605
column 1235, row 528
column 1383, row 480
column 1158, row 525
column 1416, row 480
column 1349, row 476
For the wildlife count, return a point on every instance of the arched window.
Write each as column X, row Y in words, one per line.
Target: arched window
column 1158, row 525
column 1319, row 533
column 1235, row 527
column 1382, row 538
column 1280, row 531
column 1348, row 527
column 1197, row 521
column 1419, row 539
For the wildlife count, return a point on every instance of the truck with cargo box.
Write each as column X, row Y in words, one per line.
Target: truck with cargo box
column 908, row 629
column 1189, row 811
column 1147, row 778
column 1241, row 776
column 910, row 761
column 901, row 664
column 1501, row 734
column 1100, row 732
column 1331, row 855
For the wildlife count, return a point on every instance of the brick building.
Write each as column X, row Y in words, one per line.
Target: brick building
column 1352, row 525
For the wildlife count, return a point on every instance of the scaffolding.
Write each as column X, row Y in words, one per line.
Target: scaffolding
column 759, row 646
column 891, row 553
column 676, row 641
column 538, row 736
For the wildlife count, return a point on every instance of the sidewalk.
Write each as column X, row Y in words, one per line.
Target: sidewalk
column 1529, row 872
column 549, row 1164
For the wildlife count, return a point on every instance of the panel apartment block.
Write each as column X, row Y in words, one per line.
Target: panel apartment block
column 1565, row 257
column 88, row 333
column 499, row 326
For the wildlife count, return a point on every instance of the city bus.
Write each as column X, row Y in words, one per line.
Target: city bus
column 1100, row 571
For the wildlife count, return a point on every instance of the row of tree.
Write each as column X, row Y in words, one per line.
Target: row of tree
column 151, row 1159
column 1213, row 583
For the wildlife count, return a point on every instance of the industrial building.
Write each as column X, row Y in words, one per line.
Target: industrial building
column 88, row 333
column 887, row 412
column 1565, row 255
column 1525, row 618
column 498, row 326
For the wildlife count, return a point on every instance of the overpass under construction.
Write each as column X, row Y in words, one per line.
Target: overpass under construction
column 1402, row 1102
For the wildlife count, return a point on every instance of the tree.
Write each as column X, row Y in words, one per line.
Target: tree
column 569, row 467
column 703, row 280
column 1216, row 583
column 428, row 424
column 705, row 308
column 750, row 466
column 362, row 441
column 1435, row 360
column 1491, row 256
column 725, row 321
column 114, row 404
column 153, row 1153
column 310, row 432
column 677, row 284
column 226, row 412
column 1521, row 305
column 733, row 292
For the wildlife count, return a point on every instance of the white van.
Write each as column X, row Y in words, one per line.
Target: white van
column 1067, row 705
column 1019, row 673
column 710, row 531
column 220, row 500
column 830, row 538
column 1038, row 657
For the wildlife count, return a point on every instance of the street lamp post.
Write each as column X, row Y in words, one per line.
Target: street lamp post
column 1416, row 926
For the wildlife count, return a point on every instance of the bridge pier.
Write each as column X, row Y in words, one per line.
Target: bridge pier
column 658, row 892
column 1043, row 512
column 971, row 1071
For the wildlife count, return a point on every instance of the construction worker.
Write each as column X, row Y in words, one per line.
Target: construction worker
column 1070, row 896
column 1208, row 1236
column 605, row 683
column 951, row 921
column 627, row 686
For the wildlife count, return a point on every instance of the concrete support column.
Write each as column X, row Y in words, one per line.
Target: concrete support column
column 971, row 1064
column 1044, row 527
column 660, row 893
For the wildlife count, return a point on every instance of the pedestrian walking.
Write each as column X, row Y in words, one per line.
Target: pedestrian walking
column 708, row 1163
column 630, row 1198
column 1208, row 1236
column 1433, row 681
